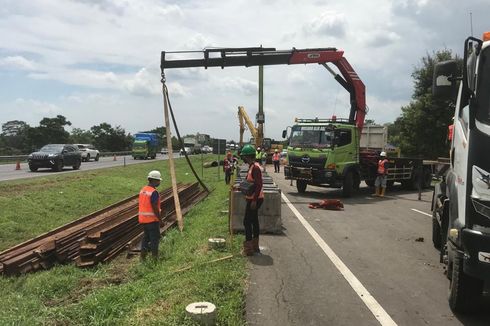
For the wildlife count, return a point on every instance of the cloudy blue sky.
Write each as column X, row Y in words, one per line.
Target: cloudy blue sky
column 98, row 61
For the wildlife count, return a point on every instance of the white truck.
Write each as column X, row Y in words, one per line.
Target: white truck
column 461, row 203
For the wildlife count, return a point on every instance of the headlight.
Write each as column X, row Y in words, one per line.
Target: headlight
column 52, row 155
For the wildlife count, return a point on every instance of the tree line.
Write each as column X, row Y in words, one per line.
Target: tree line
column 19, row 138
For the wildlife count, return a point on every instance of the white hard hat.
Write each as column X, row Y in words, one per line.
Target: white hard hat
column 155, row 175
column 382, row 153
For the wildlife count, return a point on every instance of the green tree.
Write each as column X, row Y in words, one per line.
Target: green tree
column 81, row 136
column 421, row 129
column 14, row 137
column 50, row 131
column 107, row 138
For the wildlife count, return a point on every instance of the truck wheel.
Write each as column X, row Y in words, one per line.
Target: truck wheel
column 464, row 290
column 370, row 183
column 153, row 157
column 436, row 233
column 33, row 168
column 301, row 186
column 97, row 157
column 88, row 158
column 348, row 185
column 58, row 166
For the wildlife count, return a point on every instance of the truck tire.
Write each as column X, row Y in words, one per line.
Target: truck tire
column 301, row 186
column 88, row 158
column 153, row 157
column 436, row 233
column 96, row 157
column 370, row 183
column 348, row 184
column 33, row 168
column 464, row 290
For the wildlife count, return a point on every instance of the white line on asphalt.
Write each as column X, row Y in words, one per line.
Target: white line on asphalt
column 379, row 313
column 424, row 213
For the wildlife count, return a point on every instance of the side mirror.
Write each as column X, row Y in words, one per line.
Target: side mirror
column 284, row 133
column 444, row 80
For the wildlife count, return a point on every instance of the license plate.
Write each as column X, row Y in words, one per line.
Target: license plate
column 484, row 257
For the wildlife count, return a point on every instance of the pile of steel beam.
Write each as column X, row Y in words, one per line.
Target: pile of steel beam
column 97, row 237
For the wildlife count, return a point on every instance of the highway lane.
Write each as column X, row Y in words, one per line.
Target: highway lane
column 8, row 172
column 385, row 244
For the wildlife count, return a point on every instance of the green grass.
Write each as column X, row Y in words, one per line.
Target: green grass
column 125, row 291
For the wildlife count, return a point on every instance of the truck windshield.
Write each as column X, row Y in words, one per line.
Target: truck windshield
column 139, row 145
column 311, row 136
column 483, row 91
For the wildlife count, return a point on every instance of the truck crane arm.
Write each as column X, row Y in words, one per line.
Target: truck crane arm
column 258, row 56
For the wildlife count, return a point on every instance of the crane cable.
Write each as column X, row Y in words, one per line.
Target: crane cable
column 165, row 95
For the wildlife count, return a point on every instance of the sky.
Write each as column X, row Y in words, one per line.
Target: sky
column 98, row 61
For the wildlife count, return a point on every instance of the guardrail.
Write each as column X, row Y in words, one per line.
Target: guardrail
column 20, row 158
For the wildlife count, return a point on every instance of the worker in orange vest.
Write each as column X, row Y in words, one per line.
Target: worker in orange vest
column 382, row 172
column 149, row 215
column 254, row 197
column 228, row 167
column 275, row 159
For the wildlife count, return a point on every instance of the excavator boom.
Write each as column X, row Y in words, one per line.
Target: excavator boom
column 258, row 56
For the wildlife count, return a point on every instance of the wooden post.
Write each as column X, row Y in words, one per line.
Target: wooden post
column 178, row 211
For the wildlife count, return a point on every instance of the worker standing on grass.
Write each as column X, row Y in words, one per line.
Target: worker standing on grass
column 382, row 172
column 254, row 195
column 275, row 159
column 149, row 215
column 228, row 167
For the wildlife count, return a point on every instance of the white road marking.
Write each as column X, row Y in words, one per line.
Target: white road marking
column 424, row 213
column 379, row 313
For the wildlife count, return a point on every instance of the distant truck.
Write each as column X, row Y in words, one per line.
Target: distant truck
column 145, row 145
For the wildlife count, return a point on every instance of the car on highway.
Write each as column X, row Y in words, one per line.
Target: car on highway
column 55, row 156
column 185, row 150
column 164, row 151
column 88, row 152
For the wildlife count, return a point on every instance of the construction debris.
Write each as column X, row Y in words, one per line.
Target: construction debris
column 330, row 204
column 97, row 237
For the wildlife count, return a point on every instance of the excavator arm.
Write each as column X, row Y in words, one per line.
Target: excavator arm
column 243, row 116
column 258, row 56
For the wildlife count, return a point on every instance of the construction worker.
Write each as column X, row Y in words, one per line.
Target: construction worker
column 382, row 172
column 254, row 201
column 149, row 215
column 275, row 159
column 263, row 158
column 228, row 167
column 258, row 156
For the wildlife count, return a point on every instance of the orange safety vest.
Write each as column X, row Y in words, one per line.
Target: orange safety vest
column 251, row 180
column 276, row 156
column 381, row 166
column 146, row 214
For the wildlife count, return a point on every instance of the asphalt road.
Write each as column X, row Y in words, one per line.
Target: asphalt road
column 385, row 245
column 8, row 171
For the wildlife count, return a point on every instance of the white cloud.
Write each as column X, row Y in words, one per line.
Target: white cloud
column 143, row 83
column 17, row 62
column 237, row 85
column 329, row 23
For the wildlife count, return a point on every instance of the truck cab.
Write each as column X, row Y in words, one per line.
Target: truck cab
column 461, row 203
column 324, row 152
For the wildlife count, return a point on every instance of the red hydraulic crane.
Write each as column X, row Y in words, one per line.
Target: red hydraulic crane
column 258, row 56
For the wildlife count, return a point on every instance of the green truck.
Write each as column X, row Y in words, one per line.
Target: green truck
column 328, row 153
column 145, row 145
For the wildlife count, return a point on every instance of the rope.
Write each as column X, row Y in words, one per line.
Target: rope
column 181, row 142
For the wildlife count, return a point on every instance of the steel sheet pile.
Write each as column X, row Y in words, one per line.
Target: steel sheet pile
column 97, row 237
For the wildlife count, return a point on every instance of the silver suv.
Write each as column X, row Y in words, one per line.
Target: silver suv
column 88, row 152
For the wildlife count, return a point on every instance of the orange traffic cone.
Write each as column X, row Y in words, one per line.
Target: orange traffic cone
column 17, row 166
column 115, row 159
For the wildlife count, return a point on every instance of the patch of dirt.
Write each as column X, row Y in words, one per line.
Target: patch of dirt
column 146, row 314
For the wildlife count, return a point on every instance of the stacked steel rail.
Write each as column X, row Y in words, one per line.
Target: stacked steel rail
column 97, row 237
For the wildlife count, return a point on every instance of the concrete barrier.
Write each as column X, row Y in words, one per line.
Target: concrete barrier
column 269, row 213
